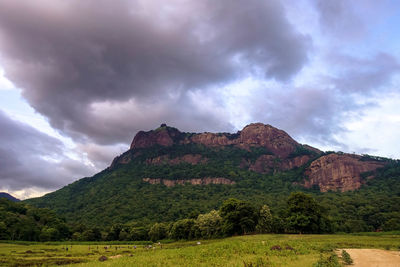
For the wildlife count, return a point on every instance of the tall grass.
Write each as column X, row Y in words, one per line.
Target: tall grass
column 252, row 250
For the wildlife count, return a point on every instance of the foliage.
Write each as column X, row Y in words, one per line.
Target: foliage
column 304, row 214
column 238, row 217
column 118, row 195
column 265, row 220
column 346, row 258
column 330, row 261
column 234, row 251
column 19, row 221
column 209, row 225
column 183, row 229
column 158, row 231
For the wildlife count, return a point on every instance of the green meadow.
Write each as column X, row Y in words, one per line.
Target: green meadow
column 250, row 250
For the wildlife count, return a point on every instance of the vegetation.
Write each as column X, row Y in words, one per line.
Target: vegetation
column 23, row 222
column 117, row 204
column 250, row 250
column 346, row 258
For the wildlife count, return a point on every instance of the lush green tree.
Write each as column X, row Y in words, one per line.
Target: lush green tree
column 124, row 235
column 183, row 229
column 265, row 220
column 113, row 234
column 4, row 234
column 209, row 225
column 392, row 224
column 49, row 234
column 239, row 217
column 158, row 231
column 91, row 235
column 138, row 233
column 304, row 213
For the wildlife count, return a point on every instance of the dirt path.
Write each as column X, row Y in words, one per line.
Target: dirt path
column 374, row 257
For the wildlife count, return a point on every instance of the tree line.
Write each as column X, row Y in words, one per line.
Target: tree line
column 235, row 217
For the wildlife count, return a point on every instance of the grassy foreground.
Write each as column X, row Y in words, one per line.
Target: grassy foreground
column 254, row 250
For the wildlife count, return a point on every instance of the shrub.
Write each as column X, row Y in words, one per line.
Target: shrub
column 330, row 261
column 346, row 258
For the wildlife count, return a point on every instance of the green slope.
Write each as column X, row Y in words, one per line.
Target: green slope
column 119, row 195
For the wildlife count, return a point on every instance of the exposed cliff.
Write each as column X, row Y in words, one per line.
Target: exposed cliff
column 339, row 172
column 280, row 153
column 192, row 181
column 256, row 134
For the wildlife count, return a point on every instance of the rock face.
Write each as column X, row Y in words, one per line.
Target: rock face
column 329, row 172
column 195, row 181
column 256, row 134
column 339, row 172
column 164, row 136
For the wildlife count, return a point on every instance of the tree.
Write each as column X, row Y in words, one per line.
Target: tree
column 304, row 213
column 183, row 229
column 265, row 220
column 113, row 234
column 4, row 234
column 139, row 233
column 158, row 231
column 239, row 217
column 209, row 225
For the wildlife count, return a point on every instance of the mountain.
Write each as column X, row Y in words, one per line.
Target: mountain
column 8, row 196
column 168, row 174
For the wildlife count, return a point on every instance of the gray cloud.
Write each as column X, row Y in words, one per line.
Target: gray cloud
column 318, row 110
column 30, row 158
column 340, row 19
column 363, row 75
column 71, row 56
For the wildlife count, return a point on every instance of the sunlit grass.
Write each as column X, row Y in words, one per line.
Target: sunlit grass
column 258, row 250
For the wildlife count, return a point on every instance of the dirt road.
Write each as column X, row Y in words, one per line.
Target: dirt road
column 374, row 257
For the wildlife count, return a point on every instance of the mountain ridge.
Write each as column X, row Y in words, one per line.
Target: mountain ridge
column 167, row 175
column 9, row 197
column 283, row 153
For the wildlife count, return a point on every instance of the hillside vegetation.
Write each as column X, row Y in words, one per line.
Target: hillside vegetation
column 252, row 250
column 162, row 178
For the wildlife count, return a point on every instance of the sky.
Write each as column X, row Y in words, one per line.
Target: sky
column 78, row 79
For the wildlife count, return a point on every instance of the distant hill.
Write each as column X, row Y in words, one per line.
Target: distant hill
column 168, row 174
column 8, row 196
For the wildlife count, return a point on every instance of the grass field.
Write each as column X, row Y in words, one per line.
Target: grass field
column 252, row 250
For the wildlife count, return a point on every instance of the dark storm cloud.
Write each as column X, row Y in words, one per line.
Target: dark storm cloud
column 73, row 59
column 30, row 158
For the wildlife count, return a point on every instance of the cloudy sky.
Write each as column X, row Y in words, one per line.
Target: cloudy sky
column 79, row 78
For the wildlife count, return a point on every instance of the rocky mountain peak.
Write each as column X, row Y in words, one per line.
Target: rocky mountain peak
column 275, row 140
column 163, row 135
column 255, row 134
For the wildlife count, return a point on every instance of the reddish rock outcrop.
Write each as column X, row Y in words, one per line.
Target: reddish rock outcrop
column 338, row 172
column 195, row 181
column 255, row 134
column 164, row 136
column 275, row 140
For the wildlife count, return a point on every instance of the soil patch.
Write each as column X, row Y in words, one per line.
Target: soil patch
column 374, row 257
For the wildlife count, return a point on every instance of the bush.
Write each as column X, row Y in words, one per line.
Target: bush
column 346, row 258
column 330, row 261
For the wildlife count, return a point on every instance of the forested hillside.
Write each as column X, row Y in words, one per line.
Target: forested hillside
column 164, row 180
column 19, row 221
